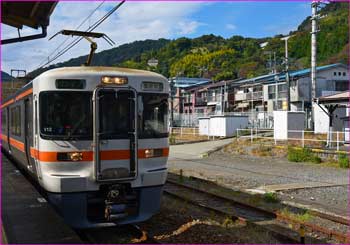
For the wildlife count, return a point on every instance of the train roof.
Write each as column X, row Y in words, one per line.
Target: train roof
column 100, row 69
column 88, row 70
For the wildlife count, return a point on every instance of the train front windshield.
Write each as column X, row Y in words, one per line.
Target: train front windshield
column 153, row 115
column 67, row 115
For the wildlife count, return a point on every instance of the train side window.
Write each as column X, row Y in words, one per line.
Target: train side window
column 16, row 121
column 3, row 121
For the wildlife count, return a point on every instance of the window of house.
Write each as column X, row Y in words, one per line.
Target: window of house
column 272, row 92
column 334, row 73
column 282, row 90
column 278, row 106
column 341, row 85
column 16, row 120
column 339, row 73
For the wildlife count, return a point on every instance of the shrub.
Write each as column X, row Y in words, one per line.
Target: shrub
column 298, row 155
column 302, row 155
column 343, row 160
column 172, row 139
column 271, row 197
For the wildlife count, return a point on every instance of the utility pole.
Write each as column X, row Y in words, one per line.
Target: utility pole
column 172, row 87
column 287, row 71
column 276, row 92
column 274, row 62
column 314, row 30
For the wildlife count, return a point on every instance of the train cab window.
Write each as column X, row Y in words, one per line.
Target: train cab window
column 16, row 121
column 65, row 115
column 153, row 115
column 114, row 114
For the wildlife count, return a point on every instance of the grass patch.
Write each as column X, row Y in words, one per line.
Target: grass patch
column 270, row 197
column 343, row 160
column 302, row 155
column 304, row 217
column 262, row 151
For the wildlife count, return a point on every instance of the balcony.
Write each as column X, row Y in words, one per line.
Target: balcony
column 240, row 96
column 255, row 95
column 214, row 98
column 201, row 101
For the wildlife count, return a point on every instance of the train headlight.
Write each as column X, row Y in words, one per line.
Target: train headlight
column 153, row 153
column 76, row 156
column 70, row 156
column 114, row 80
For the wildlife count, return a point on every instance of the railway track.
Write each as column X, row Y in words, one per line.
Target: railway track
column 250, row 214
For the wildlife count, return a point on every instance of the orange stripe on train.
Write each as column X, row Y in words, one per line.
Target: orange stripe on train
column 21, row 95
column 17, row 144
column 4, row 137
column 88, row 155
column 24, row 94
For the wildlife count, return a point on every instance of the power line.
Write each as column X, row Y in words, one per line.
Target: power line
column 82, row 23
column 77, row 40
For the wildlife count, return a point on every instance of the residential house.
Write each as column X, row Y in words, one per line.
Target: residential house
column 179, row 91
column 269, row 92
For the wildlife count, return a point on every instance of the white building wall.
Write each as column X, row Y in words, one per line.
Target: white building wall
column 203, row 125
column 288, row 124
column 321, row 119
column 226, row 126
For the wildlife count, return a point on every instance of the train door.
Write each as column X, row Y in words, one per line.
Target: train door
column 28, row 132
column 115, row 134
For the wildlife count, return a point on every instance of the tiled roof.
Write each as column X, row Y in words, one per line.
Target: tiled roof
column 185, row 82
column 339, row 97
column 282, row 76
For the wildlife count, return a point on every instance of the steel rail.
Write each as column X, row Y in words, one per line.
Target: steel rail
column 278, row 216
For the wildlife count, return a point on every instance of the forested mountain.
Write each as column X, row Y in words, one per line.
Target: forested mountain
column 219, row 58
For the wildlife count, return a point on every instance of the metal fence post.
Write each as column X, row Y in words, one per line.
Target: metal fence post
column 337, row 140
column 181, row 131
column 302, row 138
column 256, row 132
column 237, row 133
column 251, row 135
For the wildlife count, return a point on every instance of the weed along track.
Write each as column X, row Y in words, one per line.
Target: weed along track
column 285, row 226
column 119, row 234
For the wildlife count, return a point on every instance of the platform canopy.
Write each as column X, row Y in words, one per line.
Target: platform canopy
column 31, row 14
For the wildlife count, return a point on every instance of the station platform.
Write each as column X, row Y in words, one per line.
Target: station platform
column 26, row 216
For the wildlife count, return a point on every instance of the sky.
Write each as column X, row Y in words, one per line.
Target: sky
column 150, row 20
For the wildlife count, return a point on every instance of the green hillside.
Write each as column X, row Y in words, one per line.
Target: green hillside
column 219, row 58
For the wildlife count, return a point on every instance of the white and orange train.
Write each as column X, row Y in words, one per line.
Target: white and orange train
column 95, row 139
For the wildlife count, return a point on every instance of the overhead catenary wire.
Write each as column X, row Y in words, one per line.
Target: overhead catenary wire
column 76, row 28
column 77, row 40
